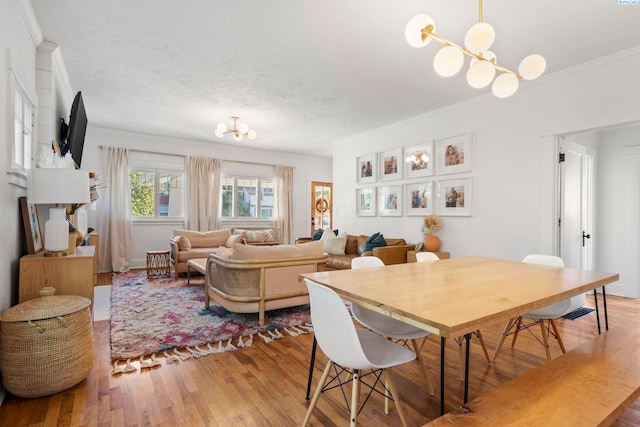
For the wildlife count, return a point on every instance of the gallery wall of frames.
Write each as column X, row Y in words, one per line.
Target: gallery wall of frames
column 429, row 178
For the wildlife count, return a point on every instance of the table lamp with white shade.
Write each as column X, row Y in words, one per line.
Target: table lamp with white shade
column 59, row 187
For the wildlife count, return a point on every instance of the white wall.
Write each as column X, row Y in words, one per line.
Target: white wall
column 152, row 237
column 17, row 50
column 617, row 216
column 514, row 160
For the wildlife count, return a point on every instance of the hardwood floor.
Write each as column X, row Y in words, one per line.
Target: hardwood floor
column 264, row 385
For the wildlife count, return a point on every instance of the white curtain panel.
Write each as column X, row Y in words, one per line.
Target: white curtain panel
column 115, row 216
column 203, row 179
column 283, row 208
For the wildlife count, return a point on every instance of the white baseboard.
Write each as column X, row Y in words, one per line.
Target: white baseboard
column 138, row 263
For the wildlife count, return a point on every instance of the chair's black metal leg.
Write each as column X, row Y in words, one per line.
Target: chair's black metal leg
column 443, row 341
column 606, row 315
column 311, row 364
column 467, row 338
column 595, row 299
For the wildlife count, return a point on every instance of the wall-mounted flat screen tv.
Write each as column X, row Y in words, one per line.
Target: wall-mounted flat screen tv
column 73, row 135
column 77, row 129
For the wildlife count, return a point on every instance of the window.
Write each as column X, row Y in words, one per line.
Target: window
column 246, row 197
column 266, row 199
column 22, row 128
column 156, row 194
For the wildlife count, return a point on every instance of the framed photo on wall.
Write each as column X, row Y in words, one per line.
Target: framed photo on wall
column 390, row 200
column 31, row 226
column 366, row 201
column 419, row 160
column 418, row 198
column 366, row 168
column 455, row 197
column 454, row 154
column 390, row 164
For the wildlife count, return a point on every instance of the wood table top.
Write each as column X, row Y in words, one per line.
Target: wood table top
column 460, row 295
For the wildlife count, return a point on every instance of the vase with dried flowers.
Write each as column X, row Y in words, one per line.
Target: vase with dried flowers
column 430, row 226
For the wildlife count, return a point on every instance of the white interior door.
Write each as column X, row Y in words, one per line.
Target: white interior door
column 576, row 206
column 576, row 209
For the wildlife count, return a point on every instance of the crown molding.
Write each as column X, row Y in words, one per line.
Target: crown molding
column 30, row 20
column 617, row 56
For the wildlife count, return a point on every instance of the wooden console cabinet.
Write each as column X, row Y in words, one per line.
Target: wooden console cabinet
column 70, row 275
column 94, row 241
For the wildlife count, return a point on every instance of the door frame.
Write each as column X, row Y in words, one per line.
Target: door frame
column 587, row 197
column 312, row 206
column 548, row 175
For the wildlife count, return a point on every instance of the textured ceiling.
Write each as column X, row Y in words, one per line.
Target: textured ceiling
column 302, row 73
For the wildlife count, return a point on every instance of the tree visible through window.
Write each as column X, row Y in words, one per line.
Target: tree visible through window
column 246, row 192
column 156, row 193
column 142, row 183
column 241, row 199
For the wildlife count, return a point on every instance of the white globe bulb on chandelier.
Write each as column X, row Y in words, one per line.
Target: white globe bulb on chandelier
column 238, row 131
column 482, row 70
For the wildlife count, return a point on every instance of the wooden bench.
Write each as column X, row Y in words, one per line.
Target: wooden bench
column 591, row 385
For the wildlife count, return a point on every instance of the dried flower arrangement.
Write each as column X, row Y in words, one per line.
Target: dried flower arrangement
column 431, row 225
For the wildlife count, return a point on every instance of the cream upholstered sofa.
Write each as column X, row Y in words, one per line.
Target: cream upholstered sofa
column 189, row 244
column 256, row 279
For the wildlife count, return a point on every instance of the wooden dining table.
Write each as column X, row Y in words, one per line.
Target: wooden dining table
column 455, row 297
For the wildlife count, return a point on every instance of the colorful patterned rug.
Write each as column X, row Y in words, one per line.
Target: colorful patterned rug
column 163, row 316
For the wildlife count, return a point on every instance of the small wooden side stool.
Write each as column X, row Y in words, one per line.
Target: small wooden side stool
column 158, row 263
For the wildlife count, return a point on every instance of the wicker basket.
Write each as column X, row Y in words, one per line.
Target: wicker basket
column 46, row 344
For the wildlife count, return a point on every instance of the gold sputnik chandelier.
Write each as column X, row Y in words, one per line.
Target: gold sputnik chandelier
column 238, row 131
column 482, row 70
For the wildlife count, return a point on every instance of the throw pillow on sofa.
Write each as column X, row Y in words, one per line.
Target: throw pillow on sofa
column 257, row 236
column 224, row 252
column 234, row 238
column 374, row 241
column 335, row 245
column 183, row 243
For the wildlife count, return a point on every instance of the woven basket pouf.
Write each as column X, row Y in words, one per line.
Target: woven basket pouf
column 46, row 344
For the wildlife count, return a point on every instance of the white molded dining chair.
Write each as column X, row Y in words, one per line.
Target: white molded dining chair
column 353, row 349
column 388, row 326
column 431, row 257
column 426, row 257
column 548, row 313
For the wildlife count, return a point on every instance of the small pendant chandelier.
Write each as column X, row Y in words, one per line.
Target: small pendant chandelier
column 238, row 131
